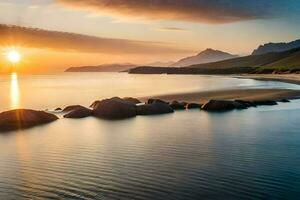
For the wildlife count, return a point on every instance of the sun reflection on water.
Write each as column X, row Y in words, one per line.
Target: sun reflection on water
column 14, row 91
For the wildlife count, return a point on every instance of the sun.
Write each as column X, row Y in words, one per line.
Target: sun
column 13, row 56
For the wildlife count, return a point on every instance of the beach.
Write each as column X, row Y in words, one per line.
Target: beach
column 286, row 78
column 241, row 94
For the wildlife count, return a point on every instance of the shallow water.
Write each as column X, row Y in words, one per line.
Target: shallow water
column 248, row 154
column 59, row 90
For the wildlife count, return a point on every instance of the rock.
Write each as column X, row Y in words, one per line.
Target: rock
column 150, row 101
column 193, row 105
column 246, row 103
column 284, row 101
column 24, row 118
column 222, row 105
column 72, row 108
column 175, row 105
column 114, row 108
column 94, row 104
column 265, row 103
column 132, row 100
column 79, row 113
column 58, row 109
column 155, row 108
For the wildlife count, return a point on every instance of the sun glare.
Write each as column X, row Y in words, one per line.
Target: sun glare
column 13, row 56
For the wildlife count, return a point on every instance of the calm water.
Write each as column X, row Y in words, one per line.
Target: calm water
column 249, row 154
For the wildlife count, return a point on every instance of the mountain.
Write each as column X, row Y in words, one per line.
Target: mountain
column 206, row 56
column 276, row 47
column 275, row 62
column 160, row 64
column 102, row 68
column 285, row 60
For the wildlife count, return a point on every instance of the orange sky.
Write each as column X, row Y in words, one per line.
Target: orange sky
column 137, row 31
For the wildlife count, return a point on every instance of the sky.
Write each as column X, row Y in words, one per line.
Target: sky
column 53, row 35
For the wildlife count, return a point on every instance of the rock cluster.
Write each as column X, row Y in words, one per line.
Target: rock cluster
column 24, row 118
column 119, row 108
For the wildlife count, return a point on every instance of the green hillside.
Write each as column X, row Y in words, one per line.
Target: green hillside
column 290, row 62
column 283, row 60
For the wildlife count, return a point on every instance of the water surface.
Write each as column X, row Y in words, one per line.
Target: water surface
column 249, row 154
column 59, row 90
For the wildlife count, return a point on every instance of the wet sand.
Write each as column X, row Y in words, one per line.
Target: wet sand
column 286, row 78
column 240, row 94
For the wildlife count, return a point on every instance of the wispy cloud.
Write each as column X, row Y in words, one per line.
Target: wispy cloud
column 38, row 38
column 212, row 11
column 176, row 29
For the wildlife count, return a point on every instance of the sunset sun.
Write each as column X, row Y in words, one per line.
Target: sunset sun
column 13, row 56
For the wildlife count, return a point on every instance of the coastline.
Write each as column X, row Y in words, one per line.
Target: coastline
column 286, row 78
column 234, row 94
column 242, row 94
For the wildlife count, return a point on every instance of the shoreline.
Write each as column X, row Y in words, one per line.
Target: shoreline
column 285, row 78
column 234, row 94
column 241, row 94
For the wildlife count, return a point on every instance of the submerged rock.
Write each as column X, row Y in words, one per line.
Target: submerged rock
column 72, row 108
column 265, row 103
column 193, row 105
column 114, row 108
column 222, row 105
column 94, row 104
column 150, row 101
column 24, row 118
column 178, row 105
column 246, row 103
column 155, row 108
column 127, row 99
column 284, row 101
column 79, row 113
column 132, row 100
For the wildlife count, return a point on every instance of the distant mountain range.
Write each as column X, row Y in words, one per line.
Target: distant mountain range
column 102, row 68
column 206, row 56
column 267, row 58
column 160, row 64
column 275, row 62
column 276, row 47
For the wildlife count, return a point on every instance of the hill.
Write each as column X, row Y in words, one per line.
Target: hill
column 102, row 68
column 278, row 62
column 160, row 64
column 276, row 47
column 206, row 56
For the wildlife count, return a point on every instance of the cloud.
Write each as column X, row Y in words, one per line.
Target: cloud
column 205, row 11
column 39, row 38
column 172, row 29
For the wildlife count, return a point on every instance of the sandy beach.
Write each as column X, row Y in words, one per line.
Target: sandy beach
column 286, row 78
column 242, row 94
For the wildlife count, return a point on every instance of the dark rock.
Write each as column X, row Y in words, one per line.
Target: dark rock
column 193, row 105
column 155, row 108
column 58, row 109
column 284, row 101
column 23, row 118
column 222, row 105
column 150, row 101
column 94, row 104
column 175, row 105
column 246, row 103
column 79, row 113
column 265, row 103
column 132, row 100
column 72, row 108
column 114, row 108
